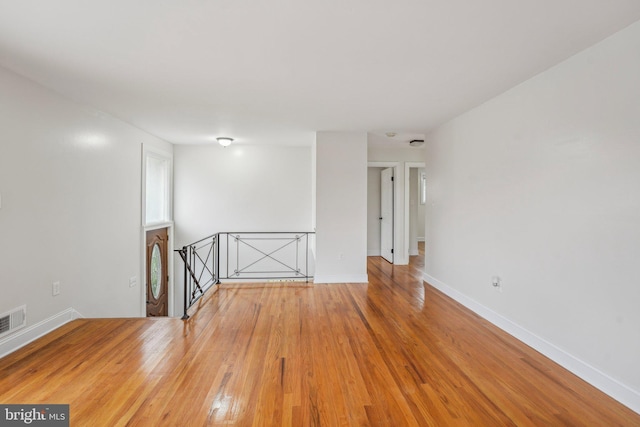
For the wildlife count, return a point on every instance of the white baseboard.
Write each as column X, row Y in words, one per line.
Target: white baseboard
column 420, row 239
column 413, row 252
column 373, row 252
column 614, row 388
column 339, row 278
column 26, row 335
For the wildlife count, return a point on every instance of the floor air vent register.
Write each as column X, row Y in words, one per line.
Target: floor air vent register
column 13, row 320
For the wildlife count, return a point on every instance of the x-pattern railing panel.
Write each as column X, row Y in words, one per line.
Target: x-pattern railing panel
column 245, row 241
column 280, row 255
column 253, row 256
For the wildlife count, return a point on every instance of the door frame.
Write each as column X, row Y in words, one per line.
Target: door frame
column 398, row 206
column 149, row 150
column 143, row 281
column 383, row 198
column 146, row 268
column 407, row 175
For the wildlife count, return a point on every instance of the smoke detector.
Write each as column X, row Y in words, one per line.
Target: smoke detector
column 416, row 142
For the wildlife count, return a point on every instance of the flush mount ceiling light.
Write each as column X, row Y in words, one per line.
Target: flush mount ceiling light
column 391, row 134
column 224, row 141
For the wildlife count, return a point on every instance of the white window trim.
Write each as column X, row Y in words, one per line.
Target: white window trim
column 162, row 155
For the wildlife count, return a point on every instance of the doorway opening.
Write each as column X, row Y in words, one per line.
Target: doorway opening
column 386, row 214
column 415, row 208
column 382, row 209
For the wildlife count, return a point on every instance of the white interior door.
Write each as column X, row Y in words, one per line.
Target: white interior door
column 386, row 214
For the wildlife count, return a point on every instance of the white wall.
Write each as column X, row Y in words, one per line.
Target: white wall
column 70, row 184
column 541, row 186
column 341, row 207
column 313, row 196
column 376, row 153
column 240, row 188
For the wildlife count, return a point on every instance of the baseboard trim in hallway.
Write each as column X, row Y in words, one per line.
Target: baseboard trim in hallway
column 614, row 388
column 31, row 333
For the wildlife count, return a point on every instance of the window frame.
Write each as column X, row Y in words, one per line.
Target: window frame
column 167, row 214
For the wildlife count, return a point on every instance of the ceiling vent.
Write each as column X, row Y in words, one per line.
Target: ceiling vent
column 13, row 320
column 416, row 142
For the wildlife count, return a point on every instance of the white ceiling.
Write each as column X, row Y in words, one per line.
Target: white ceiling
column 277, row 71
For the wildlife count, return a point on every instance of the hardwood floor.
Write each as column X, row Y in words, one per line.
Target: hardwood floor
column 394, row 352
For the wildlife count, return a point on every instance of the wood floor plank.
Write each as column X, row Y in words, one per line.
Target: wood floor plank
column 393, row 352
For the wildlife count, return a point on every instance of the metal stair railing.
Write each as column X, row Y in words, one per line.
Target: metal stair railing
column 200, row 269
column 242, row 257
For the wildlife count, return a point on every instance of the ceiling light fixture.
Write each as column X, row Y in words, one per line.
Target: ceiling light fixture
column 224, row 141
column 391, row 134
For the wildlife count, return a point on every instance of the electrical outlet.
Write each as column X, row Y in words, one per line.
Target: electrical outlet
column 55, row 288
column 133, row 281
column 496, row 281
